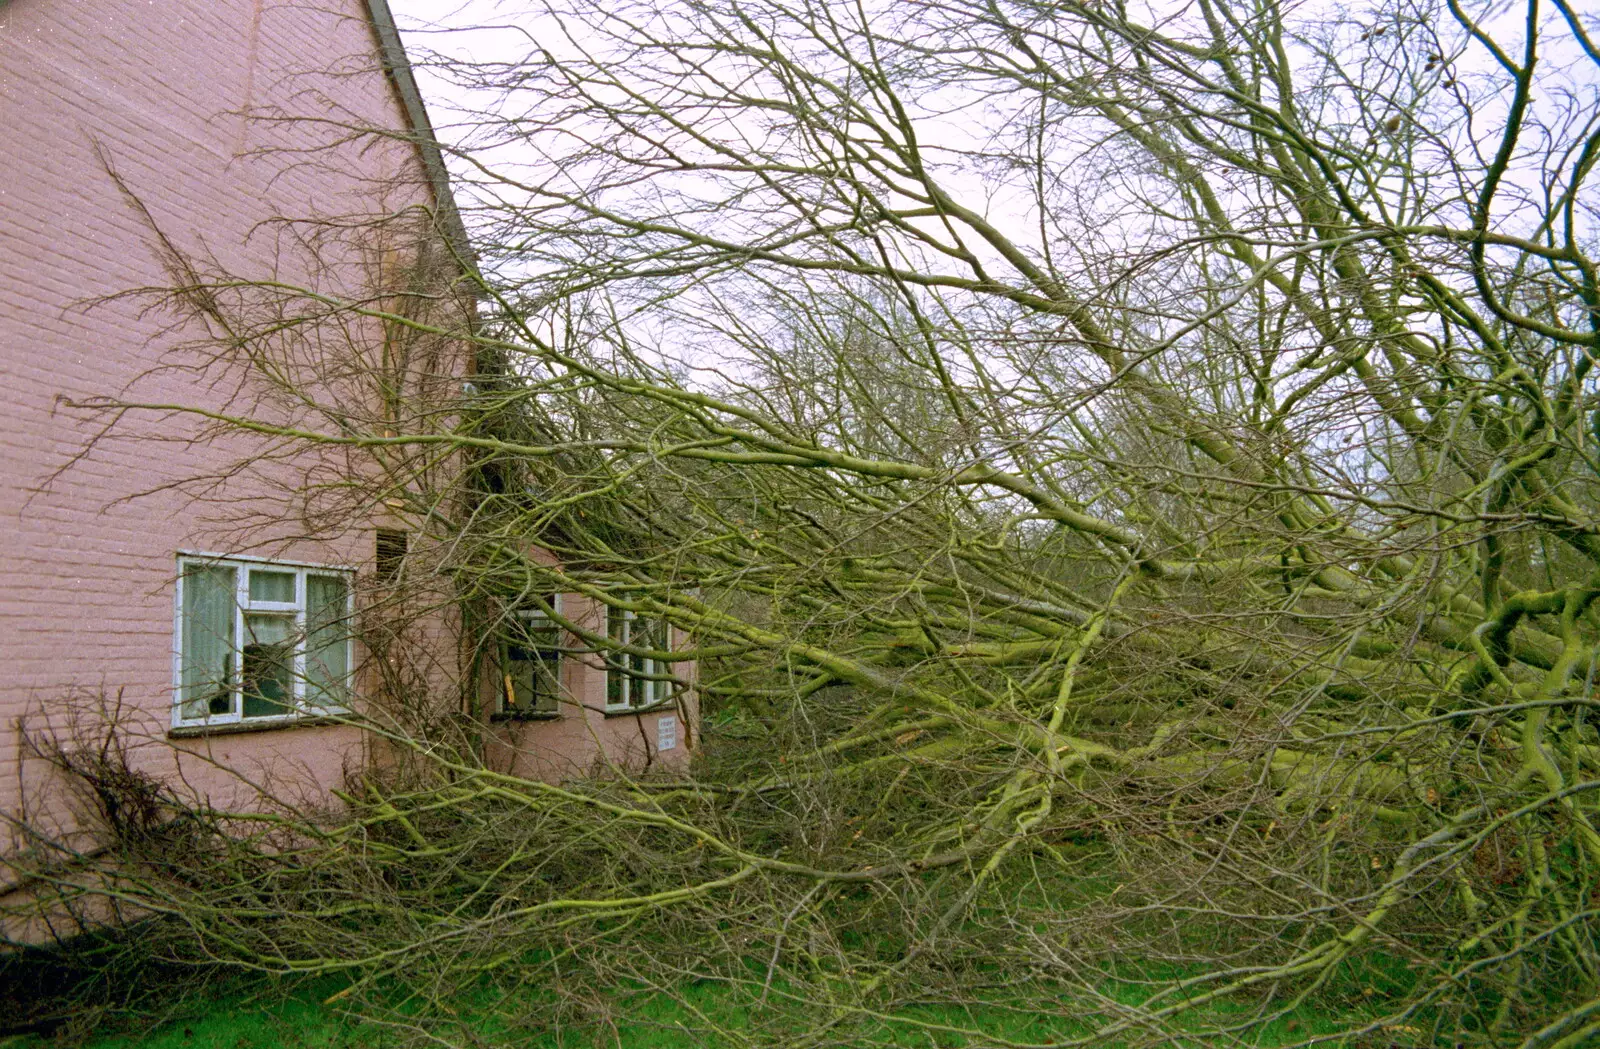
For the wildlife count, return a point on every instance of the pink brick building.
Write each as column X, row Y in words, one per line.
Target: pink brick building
column 226, row 634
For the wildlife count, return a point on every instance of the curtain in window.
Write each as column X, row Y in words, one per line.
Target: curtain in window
column 207, row 662
column 327, row 637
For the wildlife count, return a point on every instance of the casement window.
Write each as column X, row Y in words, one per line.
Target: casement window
column 634, row 682
column 260, row 641
column 530, row 660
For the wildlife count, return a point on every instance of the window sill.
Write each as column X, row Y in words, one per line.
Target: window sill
column 526, row 715
column 234, row 728
column 628, row 712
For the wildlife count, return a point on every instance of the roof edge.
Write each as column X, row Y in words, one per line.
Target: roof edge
column 398, row 68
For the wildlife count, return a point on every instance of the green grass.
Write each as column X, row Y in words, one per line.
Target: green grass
column 690, row 1018
column 498, row 1011
column 241, row 1023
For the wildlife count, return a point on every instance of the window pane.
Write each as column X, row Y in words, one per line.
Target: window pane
column 617, row 624
column 272, row 586
column 617, row 690
column 206, row 674
column 531, row 650
column 327, row 640
column 536, row 629
column 535, row 680
column 546, row 698
column 652, row 634
column 268, row 666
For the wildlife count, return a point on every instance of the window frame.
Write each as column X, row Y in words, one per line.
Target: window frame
column 634, row 669
column 243, row 608
column 558, row 650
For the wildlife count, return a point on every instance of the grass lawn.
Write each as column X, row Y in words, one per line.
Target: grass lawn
column 699, row 1015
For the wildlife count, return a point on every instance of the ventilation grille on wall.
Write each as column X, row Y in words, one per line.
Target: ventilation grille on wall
column 390, row 554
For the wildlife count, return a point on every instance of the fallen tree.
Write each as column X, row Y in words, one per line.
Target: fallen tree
column 1156, row 446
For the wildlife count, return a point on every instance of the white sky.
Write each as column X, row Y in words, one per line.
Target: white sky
column 505, row 31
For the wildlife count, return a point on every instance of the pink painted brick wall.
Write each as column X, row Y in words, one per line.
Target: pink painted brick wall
column 85, row 579
column 155, row 88
column 86, row 573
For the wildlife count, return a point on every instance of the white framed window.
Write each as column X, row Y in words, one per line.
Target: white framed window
column 260, row 641
column 530, row 660
column 634, row 682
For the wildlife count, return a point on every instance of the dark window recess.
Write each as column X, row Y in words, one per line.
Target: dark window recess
column 493, row 474
column 530, row 660
column 391, row 553
column 532, row 680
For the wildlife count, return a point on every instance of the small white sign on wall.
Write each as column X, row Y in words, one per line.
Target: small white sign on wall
column 666, row 732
